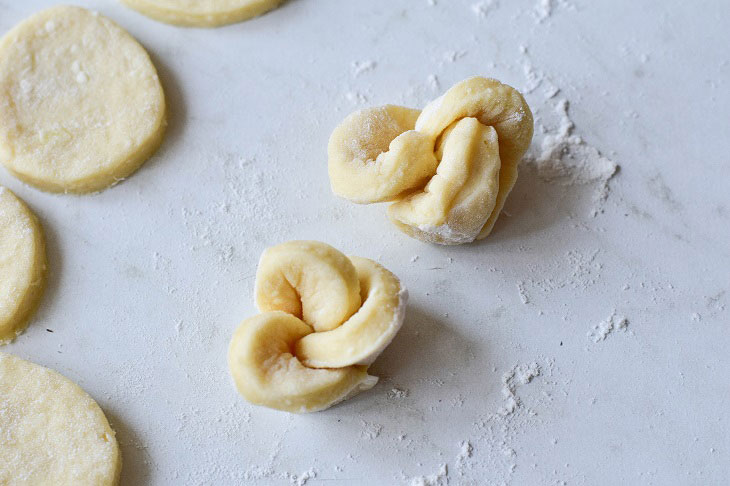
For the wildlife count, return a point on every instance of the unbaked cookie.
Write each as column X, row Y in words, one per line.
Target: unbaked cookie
column 51, row 432
column 448, row 168
column 325, row 318
column 22, row 265
column 81, row 105
column 202, row 13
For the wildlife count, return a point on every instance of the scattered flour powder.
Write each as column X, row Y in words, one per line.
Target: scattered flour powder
column 612, row 323
column 565, row 158
column 544, row 9
column 439, row 478
column 360, row 67
column 519, row 375
column 483, row 8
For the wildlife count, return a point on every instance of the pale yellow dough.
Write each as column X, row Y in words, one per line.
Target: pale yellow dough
column 51, row 432
column 81, row 105
column 325, row 318
column 202, row 13
column 267, row 373
column 448, row 168
column 22, row 265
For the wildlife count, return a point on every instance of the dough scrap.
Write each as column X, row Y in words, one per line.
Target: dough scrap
column 448, row 168
column 81, row 105
column 324, row 319
column 51, row 432
column 22, row 265
column 202, row 13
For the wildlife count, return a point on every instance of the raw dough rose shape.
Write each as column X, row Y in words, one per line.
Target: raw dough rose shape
column 325, row 318
column 51, row 432
column 81, row 106
column 448, row 168
column 202, row 13
column 22, row 265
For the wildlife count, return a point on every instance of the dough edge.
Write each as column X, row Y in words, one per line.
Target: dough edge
column 32, row 298
column 21, row 366
column 214, row 18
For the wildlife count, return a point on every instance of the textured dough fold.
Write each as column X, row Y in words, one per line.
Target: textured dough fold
column 267, row 373
column 325, row 318
column 389, row 160
column 365, row 335
column 450, row 175
column 310, row 280
column 450, row 208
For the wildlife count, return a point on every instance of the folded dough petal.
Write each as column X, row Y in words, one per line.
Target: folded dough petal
column 458, row 200
column 310, row 280
column 375, row 155
column 266, row 373
column 493, row 104
column 362, row 338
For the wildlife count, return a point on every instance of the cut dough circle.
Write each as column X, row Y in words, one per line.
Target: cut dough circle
column 51, row 431
column 81, row 105
column 325, row 318
column 448, row 168
column 22, row 264
column 202, row 13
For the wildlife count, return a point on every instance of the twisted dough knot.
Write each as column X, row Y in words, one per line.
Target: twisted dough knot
column 325, row 318
column 448, row 168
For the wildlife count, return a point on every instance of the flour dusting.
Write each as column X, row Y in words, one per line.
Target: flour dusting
column 462, row 459
column 519, row 375
column 544, row 9
column 565, row 158
column 483, row 8
column 439, row 478
column 370, row 430
column 522, row 292
column 612, row 323
column 303, row 478
column 360, row 67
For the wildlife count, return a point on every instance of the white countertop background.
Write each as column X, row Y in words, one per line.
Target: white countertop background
column 149, row 279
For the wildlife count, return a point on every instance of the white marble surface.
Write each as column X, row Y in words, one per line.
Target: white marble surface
column 149, row 279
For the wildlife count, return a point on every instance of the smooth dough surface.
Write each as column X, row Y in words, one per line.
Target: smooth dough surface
column 202, row 13
column 51, row 431
column 81, row 105
column 22, row 265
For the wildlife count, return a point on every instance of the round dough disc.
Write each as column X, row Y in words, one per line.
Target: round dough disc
column 22, row 265
column 81, row 106
column 51, row 431
column 202, row 13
